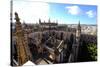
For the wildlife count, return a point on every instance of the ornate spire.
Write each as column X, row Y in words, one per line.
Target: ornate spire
column 79, row 26
column 21, row 43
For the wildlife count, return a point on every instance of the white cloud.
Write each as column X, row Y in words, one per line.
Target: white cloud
column 31, row 12
column 90, row 13
column 74, row 10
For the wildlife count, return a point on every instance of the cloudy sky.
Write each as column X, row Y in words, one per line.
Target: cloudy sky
column 30, row 12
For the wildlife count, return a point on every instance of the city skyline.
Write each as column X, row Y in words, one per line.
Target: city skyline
column 63, row 13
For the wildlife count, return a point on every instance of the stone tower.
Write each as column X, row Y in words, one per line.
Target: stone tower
column 78, row 32
column 75, row 47
column 77, row 44
column 23, row 50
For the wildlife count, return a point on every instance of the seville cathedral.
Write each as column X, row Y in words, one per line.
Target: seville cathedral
column 47, row 43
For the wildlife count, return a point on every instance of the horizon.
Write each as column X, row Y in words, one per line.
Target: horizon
column 60, row 24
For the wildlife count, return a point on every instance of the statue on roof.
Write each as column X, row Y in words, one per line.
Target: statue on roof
column 16, row 16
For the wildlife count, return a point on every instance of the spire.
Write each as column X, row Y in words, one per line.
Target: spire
column 49, row 20
column 23, row 51
column 39, row 20
column 44, row 21
column 79, row 26
column 23, row 22
column 79, row 23
column 17, row 17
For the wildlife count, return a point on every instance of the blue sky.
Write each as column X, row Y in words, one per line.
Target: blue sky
column 30, row 12
column 72, row 13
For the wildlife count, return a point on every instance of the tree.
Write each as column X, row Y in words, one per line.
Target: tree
column 92, row 49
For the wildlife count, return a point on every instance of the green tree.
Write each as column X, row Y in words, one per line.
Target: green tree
column 92, row 49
